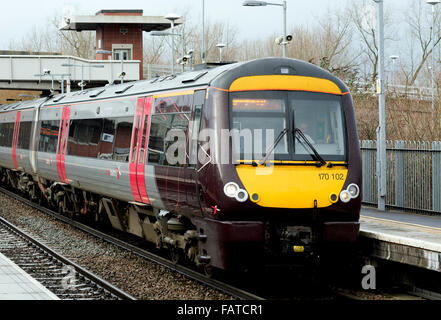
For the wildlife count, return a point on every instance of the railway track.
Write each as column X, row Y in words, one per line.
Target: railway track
column 63, row 277
column 194, row 275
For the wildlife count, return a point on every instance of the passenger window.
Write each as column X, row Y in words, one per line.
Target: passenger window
column 5, row 139
column 170, row 113
column 24, row 135
column 49, row 136
column 105, row 145
column 84, row 136
column 121, row 150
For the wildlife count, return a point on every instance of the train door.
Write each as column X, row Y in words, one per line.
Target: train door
column 138, row 154
column 62, row 144
column 168, row 149
column 192, row 170
column 15, row 140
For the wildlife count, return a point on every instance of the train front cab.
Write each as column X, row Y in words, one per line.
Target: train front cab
column 292, row 202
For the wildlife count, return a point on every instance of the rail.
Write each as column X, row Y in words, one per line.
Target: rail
column 213, row 283
column 51, row 262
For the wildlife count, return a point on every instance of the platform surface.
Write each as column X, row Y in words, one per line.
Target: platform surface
column 16, row 284
column 404, row 237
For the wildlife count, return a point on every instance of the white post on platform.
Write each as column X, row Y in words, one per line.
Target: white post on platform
column 381, row 131
column 433, row 3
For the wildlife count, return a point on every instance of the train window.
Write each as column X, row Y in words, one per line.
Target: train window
column 105, row 145
column 135, row 138
column 159, row 128
column 6, row 134
column 104, row 139
column 49, row 136
column 84, row 136
column 24, row 135
column 320, row 117
column 143, row 142
column 170, row 120
column 121, row 151
column 257, row 120
column 199, row 100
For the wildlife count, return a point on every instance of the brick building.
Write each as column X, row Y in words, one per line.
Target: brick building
column 119, row 31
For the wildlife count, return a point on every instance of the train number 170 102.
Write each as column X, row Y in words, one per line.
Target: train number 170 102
column 332, row 176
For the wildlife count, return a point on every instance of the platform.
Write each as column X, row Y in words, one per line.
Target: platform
column 16, row 284
column 408, row 238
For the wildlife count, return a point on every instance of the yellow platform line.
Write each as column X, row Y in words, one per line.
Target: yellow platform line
column 394, row 222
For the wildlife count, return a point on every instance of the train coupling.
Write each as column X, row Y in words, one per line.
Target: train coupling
column 296, row 240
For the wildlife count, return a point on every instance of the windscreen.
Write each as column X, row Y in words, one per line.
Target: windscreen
column 320, row 118
column 266, row 121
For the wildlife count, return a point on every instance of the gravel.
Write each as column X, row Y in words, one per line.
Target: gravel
column 141, row 278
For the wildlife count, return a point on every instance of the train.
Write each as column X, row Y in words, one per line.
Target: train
column 223, row 167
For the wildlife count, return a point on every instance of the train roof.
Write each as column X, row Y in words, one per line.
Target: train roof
column 22, row 105
column 221, row 77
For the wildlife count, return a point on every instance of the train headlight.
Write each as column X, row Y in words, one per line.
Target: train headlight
column 345, row 196
column 354, row 190
column 230, row 189
column 242, row 195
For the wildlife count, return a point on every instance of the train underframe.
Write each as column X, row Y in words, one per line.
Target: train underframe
column 205, row 243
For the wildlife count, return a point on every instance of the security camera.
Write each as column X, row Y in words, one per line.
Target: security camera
column 46, row 71
column 279, row 40
column 122, row 75
column 183, row 60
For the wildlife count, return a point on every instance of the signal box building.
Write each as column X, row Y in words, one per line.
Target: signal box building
column 119, row 31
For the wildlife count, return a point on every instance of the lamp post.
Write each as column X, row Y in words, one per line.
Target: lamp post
column 164, row 34
column 82, row 70
column 433, row 3
column 393, row 58
column 52, row 75
column 250, row 3
column 172, row 18
column 203, row 32
column 381, row 130
column 220, row 46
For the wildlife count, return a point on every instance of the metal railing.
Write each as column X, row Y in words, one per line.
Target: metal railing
column 413, row 175
column 408, row 92
column 155, row 70
column 19, row 68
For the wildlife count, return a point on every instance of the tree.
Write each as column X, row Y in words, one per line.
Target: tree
column 50, row 38
column 365, row 22
column 420, row 25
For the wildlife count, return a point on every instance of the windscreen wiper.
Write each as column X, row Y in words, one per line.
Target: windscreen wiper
column 273, row 147
column 316, row 154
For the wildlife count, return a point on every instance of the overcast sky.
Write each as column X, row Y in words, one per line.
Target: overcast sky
column 18, row 17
